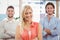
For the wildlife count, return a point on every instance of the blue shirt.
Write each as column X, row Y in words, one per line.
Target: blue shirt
column 53, row 25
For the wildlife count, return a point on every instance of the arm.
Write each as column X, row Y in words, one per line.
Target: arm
column 47, row 31
column 40, row 33
column 2, row 30
column 56, row 30
column 42, row 23
column 17, row 36
column 10, row 34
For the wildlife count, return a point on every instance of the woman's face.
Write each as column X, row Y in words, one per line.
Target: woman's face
column 49, row 9
column 28, row 15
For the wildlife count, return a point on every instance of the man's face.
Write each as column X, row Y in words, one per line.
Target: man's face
column 10, row 12
column 50, row 10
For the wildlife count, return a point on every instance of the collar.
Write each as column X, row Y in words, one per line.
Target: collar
column 7, row 20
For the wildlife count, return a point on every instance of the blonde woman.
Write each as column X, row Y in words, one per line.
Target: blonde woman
column 28, row 30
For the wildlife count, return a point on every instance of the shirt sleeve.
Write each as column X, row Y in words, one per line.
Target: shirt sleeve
column 56, row 31
column 2, row 30
column 42, row 23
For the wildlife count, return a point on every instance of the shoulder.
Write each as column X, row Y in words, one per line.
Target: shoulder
column 56, row 19
column 3, row 21
column 43, row 19
column 17, row 27
column 35, row 23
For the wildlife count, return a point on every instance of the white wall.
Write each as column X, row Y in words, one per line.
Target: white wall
column 5, row 3
column 59, row 10
column 35, row 7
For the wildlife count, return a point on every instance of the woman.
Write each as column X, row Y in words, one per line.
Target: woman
column 28, row 30
column 50, row 23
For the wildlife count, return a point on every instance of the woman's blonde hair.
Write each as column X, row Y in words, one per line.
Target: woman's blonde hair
column 26, row 7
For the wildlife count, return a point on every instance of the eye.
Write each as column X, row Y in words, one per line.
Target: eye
column 11, row 10
column 26, row 13
column 8, row 10
column 48, row 8
column 51, row 8
column 30, row 12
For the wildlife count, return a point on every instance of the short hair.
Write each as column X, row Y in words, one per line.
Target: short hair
column 49, row 3
column 10, row 7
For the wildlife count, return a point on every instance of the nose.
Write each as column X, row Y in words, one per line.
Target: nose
column 10, row 12
column 28, row 15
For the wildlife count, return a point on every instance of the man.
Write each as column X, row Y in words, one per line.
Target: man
column 8, row 25
column 50, row 23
